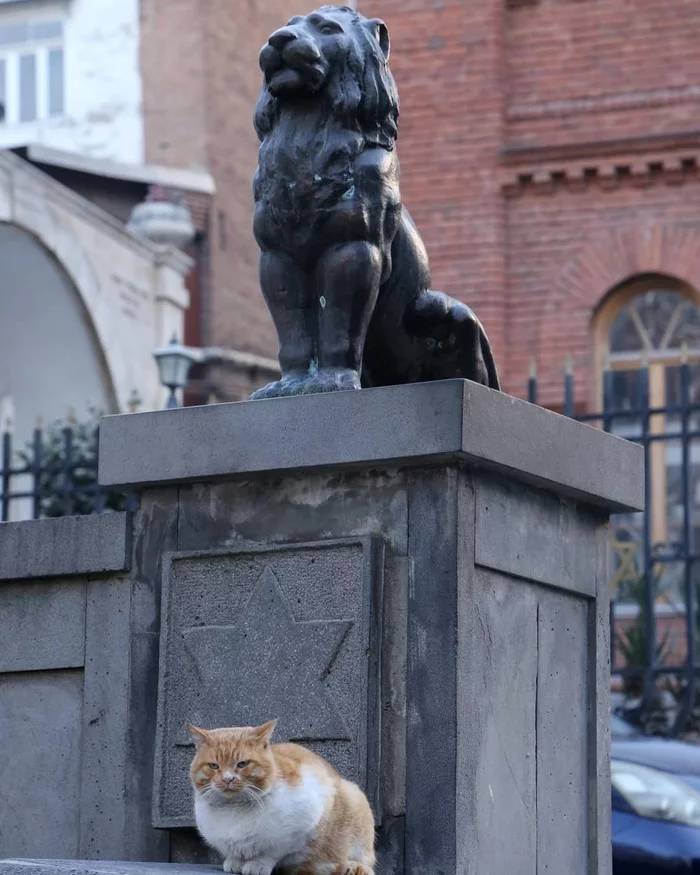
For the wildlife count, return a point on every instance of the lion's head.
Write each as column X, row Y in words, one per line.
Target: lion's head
column 333, row 54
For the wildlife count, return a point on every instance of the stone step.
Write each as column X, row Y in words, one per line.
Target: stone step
column 100, row 867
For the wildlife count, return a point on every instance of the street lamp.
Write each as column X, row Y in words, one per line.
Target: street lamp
column 174, row 362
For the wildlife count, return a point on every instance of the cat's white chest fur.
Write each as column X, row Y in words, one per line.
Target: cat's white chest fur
column 279, row 829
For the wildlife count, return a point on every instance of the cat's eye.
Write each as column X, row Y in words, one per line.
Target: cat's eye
column 243, row 764
column 213, row 766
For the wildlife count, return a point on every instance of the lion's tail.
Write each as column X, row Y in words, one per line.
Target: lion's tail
column 491, row 369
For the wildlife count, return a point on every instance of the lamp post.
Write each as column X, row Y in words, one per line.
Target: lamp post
column 174, row 362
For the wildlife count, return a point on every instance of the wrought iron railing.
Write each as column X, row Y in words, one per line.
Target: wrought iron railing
column 55, row 474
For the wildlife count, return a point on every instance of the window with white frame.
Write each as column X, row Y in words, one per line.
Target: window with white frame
column 31, row 70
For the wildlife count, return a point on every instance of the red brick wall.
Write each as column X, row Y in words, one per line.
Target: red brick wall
column 601, row 68
column 569, row 247
column 548, row 151
column 201, row 81
column 173, row 70
column 447, row 61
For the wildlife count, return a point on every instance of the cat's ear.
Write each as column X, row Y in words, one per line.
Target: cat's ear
column 198, row 736
column 262, row 734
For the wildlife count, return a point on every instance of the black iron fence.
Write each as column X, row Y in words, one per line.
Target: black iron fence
column 655, row 581
column 54, row 474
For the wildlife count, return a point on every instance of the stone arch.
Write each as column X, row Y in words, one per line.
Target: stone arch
column 70, row 257
column 132, row 291
column 51, row 360
column 78, row 259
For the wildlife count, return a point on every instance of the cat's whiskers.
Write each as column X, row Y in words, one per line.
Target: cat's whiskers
column 253, row 794
column 206, row 791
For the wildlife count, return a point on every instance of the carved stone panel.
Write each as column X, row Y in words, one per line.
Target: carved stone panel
column 253, row 634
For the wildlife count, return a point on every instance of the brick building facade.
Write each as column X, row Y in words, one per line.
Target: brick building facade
column 548, row 153
column 201, row 80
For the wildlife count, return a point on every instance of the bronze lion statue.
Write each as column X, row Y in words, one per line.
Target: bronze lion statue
column 343, row 269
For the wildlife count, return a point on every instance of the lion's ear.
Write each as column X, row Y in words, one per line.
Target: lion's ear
column 379, row 31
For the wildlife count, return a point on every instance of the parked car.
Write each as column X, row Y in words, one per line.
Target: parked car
column 655, row 804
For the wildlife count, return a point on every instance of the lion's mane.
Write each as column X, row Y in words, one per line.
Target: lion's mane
column 361, row 92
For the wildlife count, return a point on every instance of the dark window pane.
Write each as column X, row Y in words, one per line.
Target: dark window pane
column 674, row 388
column 655, row 310
column 624, row 391
column 624, row 336
column 27, row 88
column 623, row 401
column 47, row 30
column 688, row 329
column 55, row 71
column 11, row 34
column 3, row 89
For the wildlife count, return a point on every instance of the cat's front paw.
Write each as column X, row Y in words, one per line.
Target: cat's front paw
column 233, row 865
column 257, row 867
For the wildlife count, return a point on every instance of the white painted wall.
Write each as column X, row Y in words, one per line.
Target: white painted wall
column 83, row 304
column 103, row 116
column 50, row 360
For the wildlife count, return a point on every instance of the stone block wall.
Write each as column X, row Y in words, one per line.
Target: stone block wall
column 422, row 598
column 74, row 667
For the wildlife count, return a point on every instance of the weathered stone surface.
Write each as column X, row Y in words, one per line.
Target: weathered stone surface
column 256, row 634
column 155, row 535
column 564, row 764
column 550, row 540
column 42, row 625
column 598, row 728
column 431, row 678
column 100, row 715
column 282, row 510
column 437, row 619
column 69, row 546
column 397, row 583
column 266, row 642
column 101, row 867
column 105, row 719
column 452, row 419
column 40, row 810
column 497, row 783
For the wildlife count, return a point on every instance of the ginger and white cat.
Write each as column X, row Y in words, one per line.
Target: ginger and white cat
column 278, row 807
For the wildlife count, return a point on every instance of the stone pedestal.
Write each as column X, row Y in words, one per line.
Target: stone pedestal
column 414, row 580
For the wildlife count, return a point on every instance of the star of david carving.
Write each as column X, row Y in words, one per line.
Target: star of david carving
column 627, row 571
column 268, row 665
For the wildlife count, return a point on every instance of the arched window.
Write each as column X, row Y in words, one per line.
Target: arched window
column 645, row 331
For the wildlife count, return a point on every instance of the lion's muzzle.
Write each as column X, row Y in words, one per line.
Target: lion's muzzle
column 291, row 62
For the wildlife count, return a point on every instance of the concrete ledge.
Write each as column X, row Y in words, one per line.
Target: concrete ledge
column 66, row 546
column 399, row 425
column 101, row 867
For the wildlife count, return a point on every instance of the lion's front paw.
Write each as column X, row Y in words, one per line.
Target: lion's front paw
column 290, row 384
column 232, row 865
column 331, row 380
